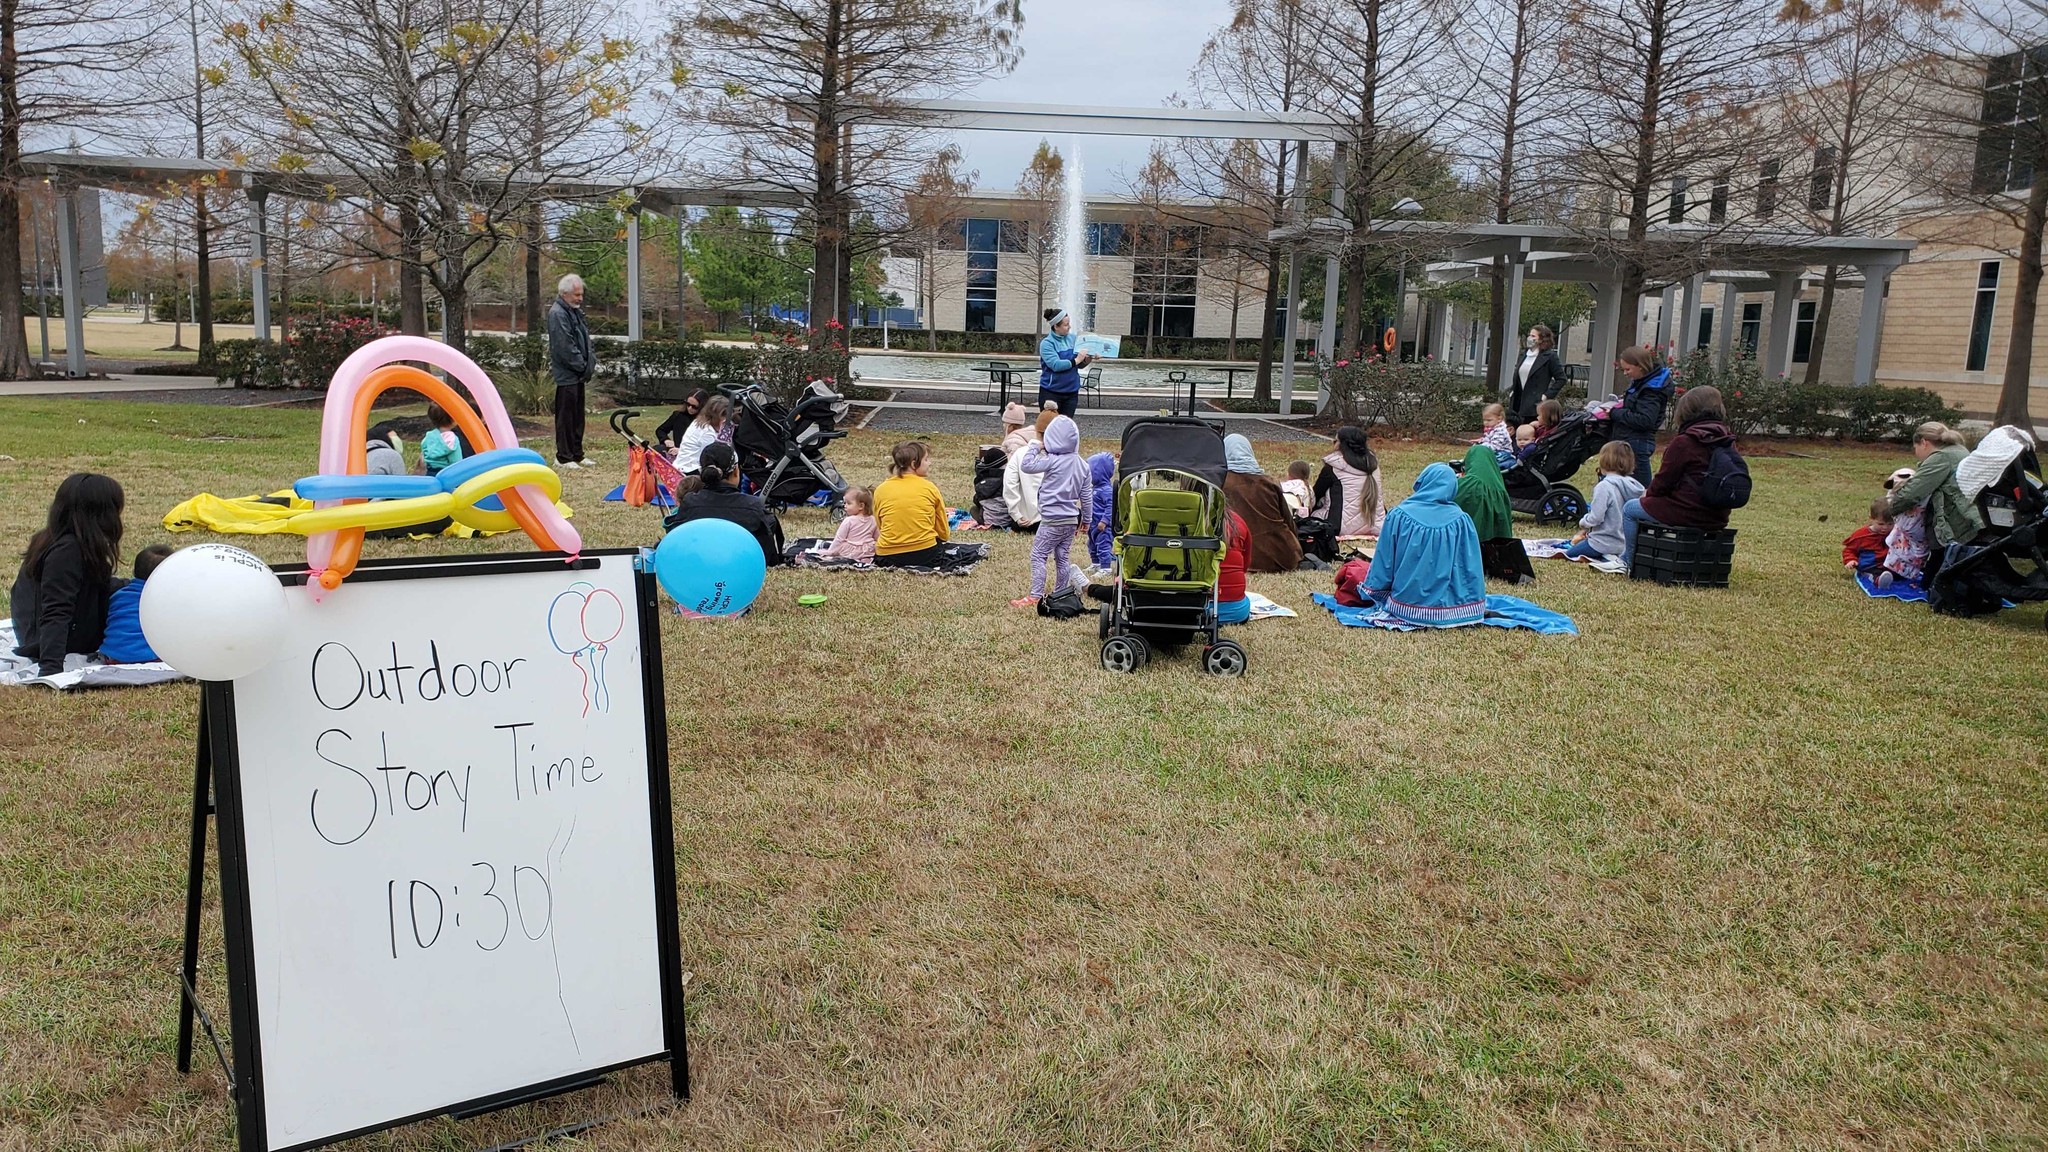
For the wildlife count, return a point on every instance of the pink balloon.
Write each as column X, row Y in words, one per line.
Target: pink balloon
column 338, row 415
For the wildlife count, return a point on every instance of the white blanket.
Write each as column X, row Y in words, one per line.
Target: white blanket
column 79, row 671
column 1995, row 453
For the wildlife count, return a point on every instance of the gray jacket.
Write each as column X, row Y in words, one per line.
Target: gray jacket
column 572, row 358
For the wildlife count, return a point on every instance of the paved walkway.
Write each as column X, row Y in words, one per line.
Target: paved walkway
column 938, row 410
column 117, row 383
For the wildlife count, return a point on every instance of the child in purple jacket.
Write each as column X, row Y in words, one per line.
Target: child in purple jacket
column 1065, row 496
column 1102, row 474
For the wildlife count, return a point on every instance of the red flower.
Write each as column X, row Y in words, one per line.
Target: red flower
column 1343, row 363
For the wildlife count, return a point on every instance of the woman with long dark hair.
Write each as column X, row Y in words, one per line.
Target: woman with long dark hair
column 1347, row 490
column 60, row 596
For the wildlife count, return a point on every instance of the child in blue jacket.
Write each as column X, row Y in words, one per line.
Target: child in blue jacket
column 1102, row 473
column 124, row 642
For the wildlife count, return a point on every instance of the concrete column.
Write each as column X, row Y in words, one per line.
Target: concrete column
column 633, row 273
column 1869, row 325
column 1667, row 309
column 74, row 297
column 1784, row 310
column 1326, row 343
column 1695, row 292
column 1511, row 315
column 1729, row 320
column 1606, row 331
column 1294, row 281
column 259, row 258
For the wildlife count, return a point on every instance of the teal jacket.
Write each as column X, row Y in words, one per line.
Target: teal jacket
column 1950, row 518
column 1056, row 371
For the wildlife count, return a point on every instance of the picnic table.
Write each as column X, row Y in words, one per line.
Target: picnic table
column 1230, row 374
column 1001, row 377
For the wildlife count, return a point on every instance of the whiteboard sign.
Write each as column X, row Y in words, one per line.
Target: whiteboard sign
column 458, row 885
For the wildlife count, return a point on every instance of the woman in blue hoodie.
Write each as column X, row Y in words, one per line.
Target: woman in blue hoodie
column 1427, row 569
column 1059, row 365
column 1642, row 407
column 1063, row 499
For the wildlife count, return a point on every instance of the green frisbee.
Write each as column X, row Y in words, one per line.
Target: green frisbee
column 811, row 599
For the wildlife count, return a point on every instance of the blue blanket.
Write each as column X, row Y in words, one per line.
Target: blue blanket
column 1501, row 612
column 1900, row 589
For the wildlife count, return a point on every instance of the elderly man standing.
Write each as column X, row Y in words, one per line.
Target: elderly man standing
column 572, row 361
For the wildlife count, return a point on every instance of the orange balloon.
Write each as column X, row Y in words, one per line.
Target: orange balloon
column 348, row 542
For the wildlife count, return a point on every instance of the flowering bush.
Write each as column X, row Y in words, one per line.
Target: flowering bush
column 316, row 349
column 1422, row 396
column 787, row 366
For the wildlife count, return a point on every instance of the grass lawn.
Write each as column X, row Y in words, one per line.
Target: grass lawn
column 122, row 337
column 1761, row 868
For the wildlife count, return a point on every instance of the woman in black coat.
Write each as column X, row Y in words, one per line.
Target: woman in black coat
column 60, row 596
column 1539, row 377
column 718, row 499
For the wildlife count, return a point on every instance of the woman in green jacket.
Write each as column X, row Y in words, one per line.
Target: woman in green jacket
column 1950, row 518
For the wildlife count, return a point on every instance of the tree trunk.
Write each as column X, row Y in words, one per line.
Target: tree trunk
column 1353, row 326
column 2019, row 349
column 1262, row 384
column 1818, row 346
column 455, row 310
column 15, row 363
column 535, row 237
column 283, row 279
column 412, row 295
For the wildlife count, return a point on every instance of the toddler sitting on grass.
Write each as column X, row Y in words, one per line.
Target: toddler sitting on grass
column 1295, row 489
column 1865, row 549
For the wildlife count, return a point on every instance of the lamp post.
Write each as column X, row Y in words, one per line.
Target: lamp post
column 1409, row 208
column 810, row 295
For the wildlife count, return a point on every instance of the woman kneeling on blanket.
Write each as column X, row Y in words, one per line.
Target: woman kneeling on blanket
column 718, row 499
column 1427, row 570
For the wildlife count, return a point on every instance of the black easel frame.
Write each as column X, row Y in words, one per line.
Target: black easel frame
column 216, row 791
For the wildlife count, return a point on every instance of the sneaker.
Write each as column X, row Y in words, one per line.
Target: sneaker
column 1024, row 602
column 568, row 464
column 585, row 462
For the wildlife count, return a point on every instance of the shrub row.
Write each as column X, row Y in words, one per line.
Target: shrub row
column 1778, row 406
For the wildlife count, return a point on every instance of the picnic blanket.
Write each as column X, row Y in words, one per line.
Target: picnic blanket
column 1900, row 588
column 1553, row 549
column 1501, row 612
column 960, row 559
column 79, row 671
column 661, row 497
column 1264, row 609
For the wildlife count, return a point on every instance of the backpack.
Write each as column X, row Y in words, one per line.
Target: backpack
column 1349, row 579
column 1725, row 483
column 1064, row 604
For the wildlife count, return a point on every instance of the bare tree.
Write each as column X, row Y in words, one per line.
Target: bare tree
column 1258, row 61
column 1669, row 91
column 799, row 87
column 934, row 212
column 1506, row 47
column 435, row 110
column 1850, row 93
column 1986, row 160
column 1377, row 69
column 63, row 64
column 1039, row 193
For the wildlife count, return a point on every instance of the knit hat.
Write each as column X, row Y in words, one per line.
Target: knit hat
column 1897, row 478
column 1015, row 415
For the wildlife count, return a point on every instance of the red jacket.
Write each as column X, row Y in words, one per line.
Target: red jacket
column 1865, row 539
column 1237, row 557
column 1674, row 494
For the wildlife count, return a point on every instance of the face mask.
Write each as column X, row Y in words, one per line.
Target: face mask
column 1531, row 341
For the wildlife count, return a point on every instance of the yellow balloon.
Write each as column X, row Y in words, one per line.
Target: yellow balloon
column 374, row 515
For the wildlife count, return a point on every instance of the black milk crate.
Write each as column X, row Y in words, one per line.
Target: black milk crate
column 1683, row 556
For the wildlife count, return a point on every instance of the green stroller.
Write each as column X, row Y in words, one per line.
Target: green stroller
column 1170, row 537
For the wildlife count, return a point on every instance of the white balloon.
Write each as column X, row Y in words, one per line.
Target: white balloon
column 213, row 612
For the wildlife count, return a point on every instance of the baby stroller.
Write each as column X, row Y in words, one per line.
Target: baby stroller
column 782, row 455
column 651, row 477
column 1169, row 525
column 1537, row 482
column 1980, row 577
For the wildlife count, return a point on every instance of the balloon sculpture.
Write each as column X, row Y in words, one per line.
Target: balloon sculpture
column 524, row 487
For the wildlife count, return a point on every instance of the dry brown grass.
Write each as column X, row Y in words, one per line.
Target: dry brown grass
column 1759, row 868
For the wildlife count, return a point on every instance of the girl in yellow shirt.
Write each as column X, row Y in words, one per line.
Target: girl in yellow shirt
column 910, row 515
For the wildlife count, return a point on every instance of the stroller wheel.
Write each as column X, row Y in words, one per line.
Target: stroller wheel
column 838, row 512
column 1107, row 613
column 1561, row 504
column 1224, row 658
column 1124, row 653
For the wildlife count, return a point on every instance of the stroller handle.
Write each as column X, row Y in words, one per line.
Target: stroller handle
column 621, row 422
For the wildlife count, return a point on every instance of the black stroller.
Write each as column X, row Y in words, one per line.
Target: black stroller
column 782, row 454
column 1980, row 577
column 1537, row 484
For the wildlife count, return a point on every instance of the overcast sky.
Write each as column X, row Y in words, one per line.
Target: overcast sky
column 1118, row 53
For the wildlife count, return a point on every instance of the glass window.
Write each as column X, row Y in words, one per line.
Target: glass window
column 1752, row 326
column 981, row 310
column 1676, row 215
column 1820, row 191
column 1980, row 320
column 1767, row 189
column 1706, row 326
column 981, row 235
column 1106, row 239
column 983, row 239
column 1717, row 204
column 1802, row 332
column 1014, row 236
column 2015, row 92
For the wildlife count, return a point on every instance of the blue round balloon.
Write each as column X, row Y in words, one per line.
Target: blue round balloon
column 711, row 567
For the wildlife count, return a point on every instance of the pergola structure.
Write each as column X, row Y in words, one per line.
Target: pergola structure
column 1733, row 259
column 150, row 175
